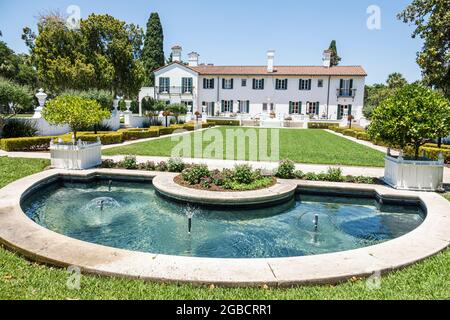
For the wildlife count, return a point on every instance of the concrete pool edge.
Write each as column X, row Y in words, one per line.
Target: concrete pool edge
column 21, row 234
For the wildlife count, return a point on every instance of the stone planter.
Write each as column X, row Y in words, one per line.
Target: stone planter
column 79, row 156
column 417, row 175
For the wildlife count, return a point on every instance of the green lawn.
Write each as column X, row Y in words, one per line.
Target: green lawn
column 301, row 146
column 20, row 279
column 447, row 196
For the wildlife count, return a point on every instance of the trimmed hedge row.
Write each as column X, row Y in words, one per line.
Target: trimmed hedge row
column 235, row 123
column 322, row 125
column 133, row 134
column 26, row 144
column 433, row 153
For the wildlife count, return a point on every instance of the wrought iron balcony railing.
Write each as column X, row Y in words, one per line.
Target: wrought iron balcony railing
column 346, row 93
column 175, row 90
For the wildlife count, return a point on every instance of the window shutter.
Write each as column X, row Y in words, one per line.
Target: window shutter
column 213, row 105
column 309, row 84
column 223, row 106
column 232, row 106
column 248, row 106
column 290, row 107
column 339, row 117
column 262, row 82
column 349, row 109
column 232, row 83
column 351, row 87
column 223, row 83
column 254, row 84
column 317, row 108
column 300, row 84
column 300, row 111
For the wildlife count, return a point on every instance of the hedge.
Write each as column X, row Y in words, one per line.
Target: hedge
column 26, row 144
column 321, row 125
column 434, row 145
column 433, row 153
column 235, row 123
column 350, row 133
column 105, row 138
column 166, row 130
column 136, row 134
column 362, row 136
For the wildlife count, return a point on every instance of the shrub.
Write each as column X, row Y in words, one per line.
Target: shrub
column 161, row 166
column 175, row 165
column 166, row 131
column 235, row 123
column 322, row 125
column 105, row 138
column 103, row 97
column 433, row 153
column 129, row 163
column 334, row 175
column 194, row 174
column 286, row 169
column 15, row 128
column 26, row 144
column 298, row 174
column 108, row 164
column 362, row 136
column 148, row 166
column 350, row 132
column 243, row 174
column 311, row 176
column 361, row 179
column 136, row 134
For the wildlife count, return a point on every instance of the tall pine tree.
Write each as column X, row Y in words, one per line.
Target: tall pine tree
column 153, row 51
column 335, row 59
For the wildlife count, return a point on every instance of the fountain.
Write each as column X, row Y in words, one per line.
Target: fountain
column 102, row 203
column 190, row 212
column 109, row 185
column 316, row 222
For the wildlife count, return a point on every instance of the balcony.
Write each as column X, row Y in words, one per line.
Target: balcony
column 170, row 91
column 346, row 93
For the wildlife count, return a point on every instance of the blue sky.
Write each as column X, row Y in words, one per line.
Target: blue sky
column 239, row 32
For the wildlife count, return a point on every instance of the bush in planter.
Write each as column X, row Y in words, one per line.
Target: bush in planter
column 129, row 163
column 194, row 174
column 15, row 128
column 411, row 115
column 175, row 165
column 243, row 174
column 74, row 111
column 286, row 169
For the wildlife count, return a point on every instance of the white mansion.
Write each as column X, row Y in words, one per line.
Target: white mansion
column 317, row 92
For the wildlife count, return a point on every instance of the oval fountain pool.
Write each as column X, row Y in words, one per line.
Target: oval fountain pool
column 133, row 216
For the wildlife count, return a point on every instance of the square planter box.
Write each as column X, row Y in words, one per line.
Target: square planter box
column 77, row 156
column 417, row 175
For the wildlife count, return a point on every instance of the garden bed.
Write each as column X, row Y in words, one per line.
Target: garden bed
column 265, row 182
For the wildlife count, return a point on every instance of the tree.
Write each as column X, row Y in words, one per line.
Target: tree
column 153, row 51
column 177, row 110
column 432, row 21
column 102, row 54
column 410, row 116
column 335, row 59
column 13, row 99
column 74, row 111
column 396, row 80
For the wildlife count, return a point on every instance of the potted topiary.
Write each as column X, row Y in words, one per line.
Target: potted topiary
column 78, row 113
column 406, row 120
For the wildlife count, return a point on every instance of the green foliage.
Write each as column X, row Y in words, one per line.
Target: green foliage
column 175, row 165
column 103, row 97
column 334, row 175
column 335, row 59
column 224, row 122
column 129, row 163
column 412, row 114
column 26, row 144
column 285, row 169
column 102, row 54
column 74, row 111
column 15, row 128
column 396, row 80
column 243, row 174
column 321, row 125
column 133, row 134
column 431, row 19
column 153, row 51
column 177, row 110
column 194, row 174
column 10, row 93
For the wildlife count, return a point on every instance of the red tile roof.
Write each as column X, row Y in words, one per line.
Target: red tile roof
column 281, row 70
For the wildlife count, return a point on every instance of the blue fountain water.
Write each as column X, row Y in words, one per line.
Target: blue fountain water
column 132, row 216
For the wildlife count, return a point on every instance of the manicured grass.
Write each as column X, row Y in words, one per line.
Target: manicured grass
column 20, row 279
column 301, row 146
column 447, row 196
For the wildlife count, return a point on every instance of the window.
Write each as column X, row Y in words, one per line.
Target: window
column 227, row 105
column 264, row 107
column 305, row 84
column 208, row 83
column 281, row 84
column 312, row 108
column 227, row 84
column 320, row 83
column 189, row 105
column 258, row 84
column 244, row 82
column 186, row 85
column 295, row 107
column 346, row 88
column 244, row 106
column 209, row 108
column 164, row 85
column 344, row 111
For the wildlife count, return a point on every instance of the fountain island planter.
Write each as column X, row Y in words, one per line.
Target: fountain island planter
column 75, row 156
column 416, row 175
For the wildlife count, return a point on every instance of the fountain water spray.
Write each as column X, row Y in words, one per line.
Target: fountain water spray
column 109, row 185
column 316, row 222
column 190, row 212
column 101, row 204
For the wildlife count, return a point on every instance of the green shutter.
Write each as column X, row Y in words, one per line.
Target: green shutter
column 339, row 117
column 349, row 109
column 290, row 107
column 300, row 107
column 223, row 106
column 232, row 83
column 262, row 84
column 317, row 108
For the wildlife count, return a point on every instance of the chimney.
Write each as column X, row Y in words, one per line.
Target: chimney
column 327, row 58
column 193, row 59
column 176, row 53
column 270, row 60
